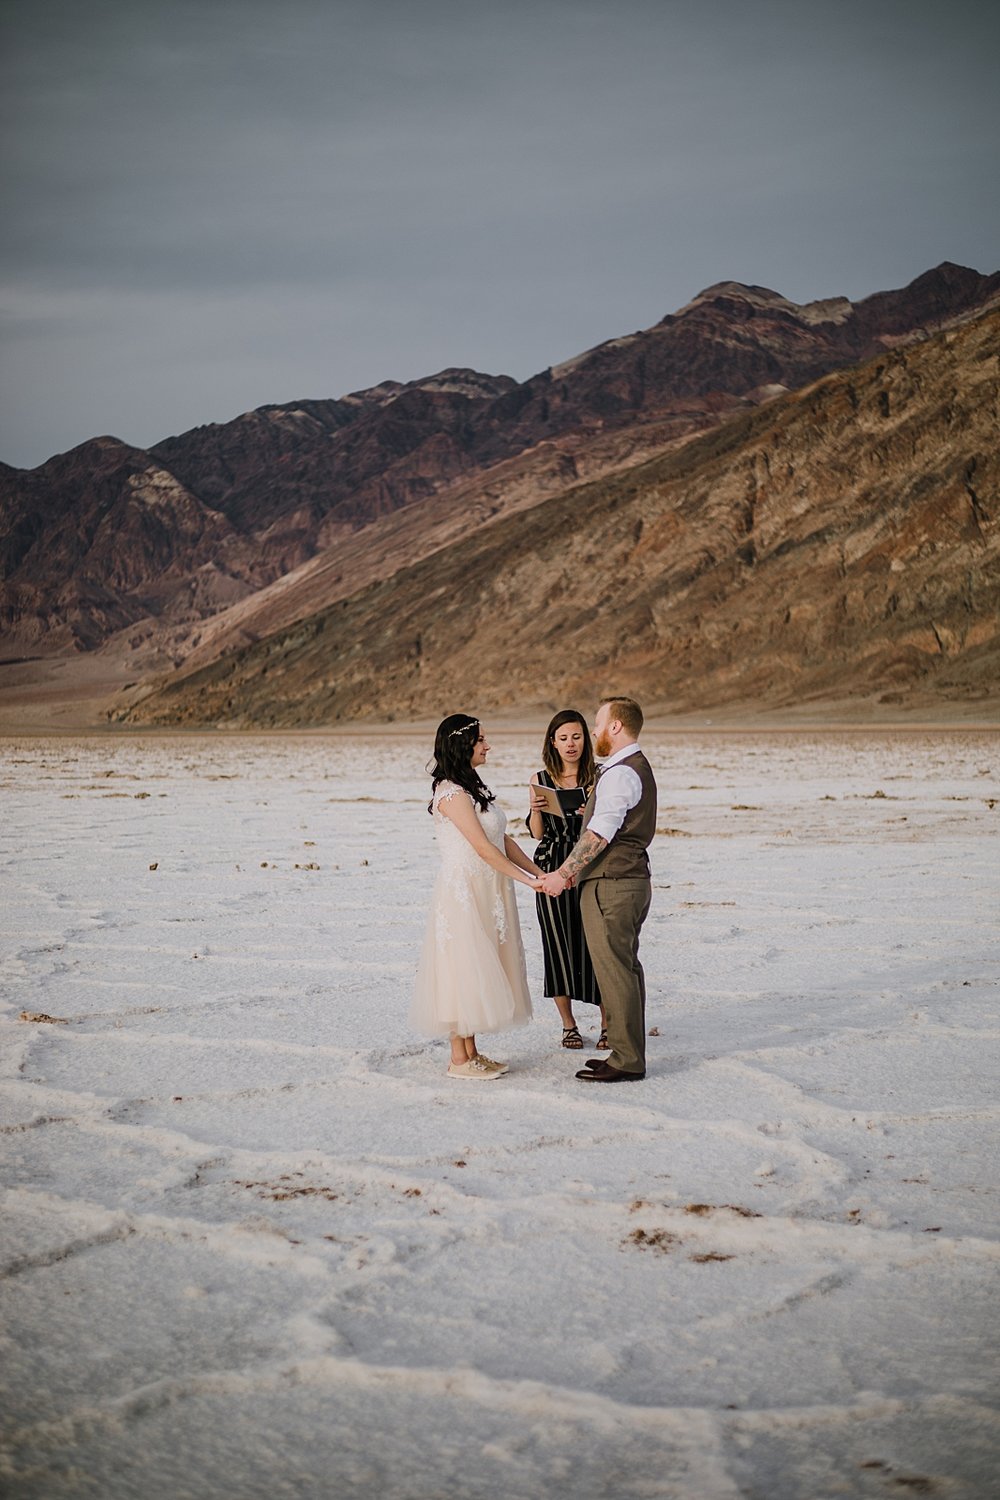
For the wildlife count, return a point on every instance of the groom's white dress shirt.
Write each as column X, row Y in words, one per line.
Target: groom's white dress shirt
column 618, row 791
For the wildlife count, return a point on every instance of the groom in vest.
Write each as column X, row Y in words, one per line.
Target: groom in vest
column 611, row 865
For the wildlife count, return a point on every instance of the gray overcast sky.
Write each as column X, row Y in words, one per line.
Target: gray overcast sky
column 213, row 204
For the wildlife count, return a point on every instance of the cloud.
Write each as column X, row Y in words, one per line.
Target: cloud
column 491, row 183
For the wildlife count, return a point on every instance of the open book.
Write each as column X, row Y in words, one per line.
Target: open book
column 552, row 803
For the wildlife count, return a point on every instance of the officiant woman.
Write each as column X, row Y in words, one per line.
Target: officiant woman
column 568, row 767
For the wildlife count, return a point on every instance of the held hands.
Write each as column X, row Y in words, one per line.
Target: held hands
column 554, row 884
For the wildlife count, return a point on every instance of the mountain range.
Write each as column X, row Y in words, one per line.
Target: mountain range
column 751, row 502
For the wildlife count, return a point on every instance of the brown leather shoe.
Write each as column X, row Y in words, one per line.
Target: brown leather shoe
column 605, row 1073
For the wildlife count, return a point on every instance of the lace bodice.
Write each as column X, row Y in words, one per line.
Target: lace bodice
column 454, row 846
column 463, row 871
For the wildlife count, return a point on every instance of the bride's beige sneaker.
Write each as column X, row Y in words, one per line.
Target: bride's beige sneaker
column 499, row 1066
column 476, row 1067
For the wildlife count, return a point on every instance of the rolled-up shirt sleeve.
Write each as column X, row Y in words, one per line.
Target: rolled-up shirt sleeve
column 618, row 791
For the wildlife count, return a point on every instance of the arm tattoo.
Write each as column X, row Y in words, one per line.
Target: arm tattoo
column 587, row 849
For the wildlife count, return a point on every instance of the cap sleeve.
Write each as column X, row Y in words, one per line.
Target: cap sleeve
column 446, row 790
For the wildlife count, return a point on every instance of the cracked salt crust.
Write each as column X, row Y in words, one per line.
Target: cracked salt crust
column 253, row 1243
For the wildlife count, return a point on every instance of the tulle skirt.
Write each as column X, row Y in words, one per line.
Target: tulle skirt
column 471, row 977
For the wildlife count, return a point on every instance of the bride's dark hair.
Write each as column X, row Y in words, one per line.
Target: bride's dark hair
column 453, row 746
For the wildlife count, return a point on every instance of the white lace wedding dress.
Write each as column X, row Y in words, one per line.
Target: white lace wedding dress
column 471, row 976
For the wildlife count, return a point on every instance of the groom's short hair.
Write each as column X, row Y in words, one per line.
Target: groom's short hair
column 628, row 712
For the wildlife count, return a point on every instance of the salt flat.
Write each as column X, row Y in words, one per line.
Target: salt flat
column 256, row 1244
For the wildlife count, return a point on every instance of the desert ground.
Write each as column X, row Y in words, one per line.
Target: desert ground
column 257, row 1244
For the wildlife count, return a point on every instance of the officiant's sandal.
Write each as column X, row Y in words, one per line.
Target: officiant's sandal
column 602, row 1042
column 571, row 1038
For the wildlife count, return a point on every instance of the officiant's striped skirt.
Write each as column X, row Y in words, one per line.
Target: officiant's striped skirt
column 568, row 969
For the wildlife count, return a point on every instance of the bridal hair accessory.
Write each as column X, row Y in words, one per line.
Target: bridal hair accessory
column 463, row 729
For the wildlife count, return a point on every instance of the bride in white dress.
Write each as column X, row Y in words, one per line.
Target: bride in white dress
column 471, row 975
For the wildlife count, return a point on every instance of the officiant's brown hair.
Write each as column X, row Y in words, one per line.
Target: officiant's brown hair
column 551, row 759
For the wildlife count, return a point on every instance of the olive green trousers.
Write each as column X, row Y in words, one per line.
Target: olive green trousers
column 613, row 912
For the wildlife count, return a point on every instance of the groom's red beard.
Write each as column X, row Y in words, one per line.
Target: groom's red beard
column 602, row 746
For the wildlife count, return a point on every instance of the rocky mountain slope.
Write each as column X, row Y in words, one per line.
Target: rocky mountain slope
column 98, row 538
column 107, row 536
column 109, row 543
column 843, row 539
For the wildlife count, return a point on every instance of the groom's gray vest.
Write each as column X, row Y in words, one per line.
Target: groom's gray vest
column 625, row 858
